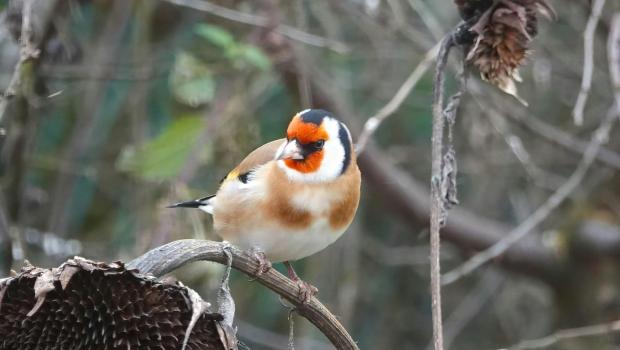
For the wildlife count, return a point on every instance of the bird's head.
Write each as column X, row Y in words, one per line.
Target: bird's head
column 318, row 147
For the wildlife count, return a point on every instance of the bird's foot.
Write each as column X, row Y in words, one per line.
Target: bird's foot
column 306, row 290
column 264, row 265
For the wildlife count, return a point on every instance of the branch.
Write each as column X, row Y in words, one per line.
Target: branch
column 470, row 306
column 543, row 129
column 260, row 21
column 467, row 230
column 588, row 58
column 613, row 52
column 6, row 244
column 171, row 256
column 437, row 206
column 373, row 122
column 27, row 52
column 564, row 334
column 540, row 176
column 599, row 137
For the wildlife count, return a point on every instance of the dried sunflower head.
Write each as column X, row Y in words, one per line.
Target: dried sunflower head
column 504, row 30
column 89, row 305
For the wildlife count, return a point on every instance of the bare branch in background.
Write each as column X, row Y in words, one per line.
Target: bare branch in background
column 543, row 129
column 613, row 53
column 471, row 305
column 403, row 24
column 172, row 256
column 588, row 61
column 6, row 244
column 260, row 21
column 35, row 17
column 565, row 334
column 391, row 107
column 303, row 83
column 27, row 52
column 540, row 176
column 599, row 137
column 108, row 44
column 467, row 230
column 427, row 16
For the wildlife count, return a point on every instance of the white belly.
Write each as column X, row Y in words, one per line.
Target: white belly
column 256, row 230
column 288, row 245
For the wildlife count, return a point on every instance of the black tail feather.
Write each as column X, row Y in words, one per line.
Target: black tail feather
column 192, row 204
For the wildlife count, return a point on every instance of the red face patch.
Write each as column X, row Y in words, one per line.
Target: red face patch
column 310, row 164
column 306, row 133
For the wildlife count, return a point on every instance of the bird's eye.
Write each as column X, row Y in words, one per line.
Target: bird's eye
column 319, row 144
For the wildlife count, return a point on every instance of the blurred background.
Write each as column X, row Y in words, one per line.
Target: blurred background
column 134, row 105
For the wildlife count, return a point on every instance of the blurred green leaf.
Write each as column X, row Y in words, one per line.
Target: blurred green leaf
column 191, row 80
column 240, row 54
column 216, row 35
column 163, row 157
column 255, row 56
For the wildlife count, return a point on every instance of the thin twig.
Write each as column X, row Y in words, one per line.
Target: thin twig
column 613, row 52
column 373, row 122
column 540, row 176
column 470, row 306
column 545, row 130
column 598, row 138
column 565, row 334
column 260, row 21
column 428, row 18
column 437, row 206
column 6, row 243
column 560, row 137
column 27, row 52
column 402, row 24
column 173, row 255
column 305, row 90
column 588, row 61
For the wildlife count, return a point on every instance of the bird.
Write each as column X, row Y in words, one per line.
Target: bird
column 289, row 198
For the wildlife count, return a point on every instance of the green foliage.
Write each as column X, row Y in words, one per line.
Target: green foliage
column 191, row 80
column 218, row 36
column 242, row 55
column 163, row 157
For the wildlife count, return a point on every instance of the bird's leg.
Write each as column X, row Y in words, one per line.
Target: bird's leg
column 263, row 264
column 306, row 290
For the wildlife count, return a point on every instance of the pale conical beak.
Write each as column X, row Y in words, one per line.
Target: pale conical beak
column 290, row 151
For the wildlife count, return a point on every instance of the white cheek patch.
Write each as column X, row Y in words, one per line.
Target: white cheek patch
column 333, row 158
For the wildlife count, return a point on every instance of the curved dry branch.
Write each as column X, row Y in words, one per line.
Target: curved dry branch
column 173, row 255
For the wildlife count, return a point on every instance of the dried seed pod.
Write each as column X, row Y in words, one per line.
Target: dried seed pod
column 504, row 31
column 88, row 305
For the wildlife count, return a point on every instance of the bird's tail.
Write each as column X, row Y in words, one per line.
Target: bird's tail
column 203, row 204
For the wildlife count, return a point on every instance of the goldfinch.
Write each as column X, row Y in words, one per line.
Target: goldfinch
column 292, row 197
